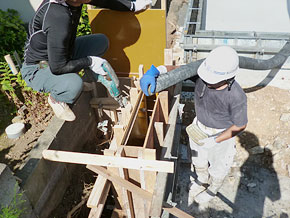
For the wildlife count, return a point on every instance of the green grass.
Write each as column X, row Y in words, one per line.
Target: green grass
column 15, row 209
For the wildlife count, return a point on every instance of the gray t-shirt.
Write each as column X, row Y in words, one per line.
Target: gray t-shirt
column 220, row 108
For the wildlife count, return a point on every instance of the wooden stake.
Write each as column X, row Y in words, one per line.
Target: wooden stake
column 97, row 192
column 96, row 212
column 127, row 196
column 11, row 64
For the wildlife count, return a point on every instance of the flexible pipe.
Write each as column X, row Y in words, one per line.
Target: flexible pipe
column 189, row 70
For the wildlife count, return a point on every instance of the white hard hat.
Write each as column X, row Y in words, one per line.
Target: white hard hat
column 221, row 64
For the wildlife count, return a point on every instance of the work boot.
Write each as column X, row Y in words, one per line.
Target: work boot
column 199, row 184
column 208, row 194
column 61, row 110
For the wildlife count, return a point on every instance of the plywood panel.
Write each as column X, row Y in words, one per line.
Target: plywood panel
column 135, row 38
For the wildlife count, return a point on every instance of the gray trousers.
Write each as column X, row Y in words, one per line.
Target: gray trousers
column 65, row 87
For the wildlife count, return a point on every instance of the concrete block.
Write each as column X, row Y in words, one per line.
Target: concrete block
column 11, row 191
column 45, row 182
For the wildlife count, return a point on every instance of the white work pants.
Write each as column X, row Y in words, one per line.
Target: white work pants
column 217, row 159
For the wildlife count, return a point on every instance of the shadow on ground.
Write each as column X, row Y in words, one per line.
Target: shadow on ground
column 251, row 191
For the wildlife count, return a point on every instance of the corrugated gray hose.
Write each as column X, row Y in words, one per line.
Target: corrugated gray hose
column 189, row 70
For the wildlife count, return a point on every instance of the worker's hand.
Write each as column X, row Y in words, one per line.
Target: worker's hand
column 141, row 4
column 96, row 65
column 208, row 142
column 149, row 79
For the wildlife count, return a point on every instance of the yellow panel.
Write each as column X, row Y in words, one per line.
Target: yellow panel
column 135, row 38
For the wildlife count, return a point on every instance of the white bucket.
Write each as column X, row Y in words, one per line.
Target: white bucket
column 15, row 130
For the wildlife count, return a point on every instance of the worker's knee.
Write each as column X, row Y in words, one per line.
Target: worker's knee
column 76, row 86
column 72, row 87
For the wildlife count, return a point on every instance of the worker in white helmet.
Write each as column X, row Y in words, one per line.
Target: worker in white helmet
column 221, row 113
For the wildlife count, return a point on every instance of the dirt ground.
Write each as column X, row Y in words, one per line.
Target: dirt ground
column 36, row 118
column 258, row 184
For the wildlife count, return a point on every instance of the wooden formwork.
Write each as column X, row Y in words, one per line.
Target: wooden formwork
column 146, row 130
column 135, row 190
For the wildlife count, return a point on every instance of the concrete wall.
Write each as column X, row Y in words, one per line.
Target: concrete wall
column 26, row 8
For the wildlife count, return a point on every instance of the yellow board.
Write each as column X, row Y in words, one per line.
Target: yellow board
column 135, row 38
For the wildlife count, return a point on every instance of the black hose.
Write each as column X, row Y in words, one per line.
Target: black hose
column 189, row 70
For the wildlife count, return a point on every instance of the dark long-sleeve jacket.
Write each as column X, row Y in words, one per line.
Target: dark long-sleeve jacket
column 52, row 33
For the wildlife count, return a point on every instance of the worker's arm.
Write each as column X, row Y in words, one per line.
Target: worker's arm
column 229, row 133
column 122, row 5
column 58, row 38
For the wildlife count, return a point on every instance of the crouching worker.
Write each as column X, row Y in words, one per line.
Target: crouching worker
column 221, row 114
column 53, row 55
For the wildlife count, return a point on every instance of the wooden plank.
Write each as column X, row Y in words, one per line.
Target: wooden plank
column 149, row 141
column 120, row 181
column 175, row 211
column 135, row 189
column 133, row 96
column 141, row 71
column 133, row 151
column 142, row 207
column 117, row 190
column 163, row 97
column 132, row 119
column 163, row 4
column 137, row 84
column 127, row 196
column 126, row 114
column 134, row 38
column 101, row 160
column 161, row 180
column 114, row 116
column 96, row 212
column 118, row 133
column 159, row 129
column 107, row 103
column 97, row 192
column 168, row 57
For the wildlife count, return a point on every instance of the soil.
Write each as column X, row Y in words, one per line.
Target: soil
column 36, row 116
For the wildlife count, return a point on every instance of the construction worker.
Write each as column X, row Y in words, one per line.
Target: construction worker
column 221, row 114
column 53, row 55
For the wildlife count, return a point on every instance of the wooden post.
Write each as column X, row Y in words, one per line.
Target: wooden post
column 118, row 133
column 11, row 64
column 163, row 97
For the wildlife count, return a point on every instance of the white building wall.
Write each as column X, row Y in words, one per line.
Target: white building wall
column 26, row 8
column 248, row 15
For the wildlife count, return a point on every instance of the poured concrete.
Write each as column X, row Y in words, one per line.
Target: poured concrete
column 247, row 15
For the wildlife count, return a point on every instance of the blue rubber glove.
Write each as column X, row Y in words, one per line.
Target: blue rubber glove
column 149, row 79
